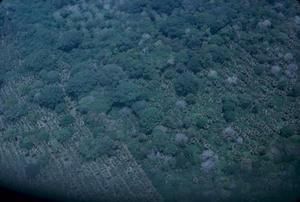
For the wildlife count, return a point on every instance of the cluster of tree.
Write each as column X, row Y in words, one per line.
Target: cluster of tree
column 151, row 71
column 50, row 96
column 93, row 148
column 137, row 6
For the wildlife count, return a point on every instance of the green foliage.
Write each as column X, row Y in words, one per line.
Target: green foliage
column 1, row 81
column 228, row 104
column 126, row 92
column 40, row 59
column 191, row 99
column 181, row 161
column 42, row 136
column 282, row 84
column 131, row 63
column 51, row 76
column 60, row 108
column 195, row 63
column 219, row 54
column 201, row 122
column 192, row 154
column 70, row 40
column 150, row 75
column 66, row 120
column 110, row 75
column 149, row 118
column 138, row 65
column 173, row 27
column 139, row 106
column 162, row 141
column 60, row 3
column 215, row 19
column 63, row 135
column 2, row 16
column 158, row 60
column 11, row 134
column 186, row 83
column 291, row 147
column 255, row 108
column 50, row 96
column 34, row 138
column 228, row 109
column 295, row 91
column 166, row 6
column 288, row 130
column 194, row 40
column 95, row 102
column 134, row 6
column 14, row 112
column 181, row 140
column 93, row 148
column 26, row 143
column 81, row 83
column 229, row 116
column 258, row 70
column 245, row 101
column 173, row 119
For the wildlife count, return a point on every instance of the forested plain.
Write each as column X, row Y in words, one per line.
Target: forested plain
column 148, row 100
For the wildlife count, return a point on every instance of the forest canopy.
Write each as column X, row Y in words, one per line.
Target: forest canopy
column 189, row 99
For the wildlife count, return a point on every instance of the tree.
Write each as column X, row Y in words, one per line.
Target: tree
column 288, row 130
column 127, row 92
column 166, row 6
column 195, row 63
column 1, row 81
column 51, row 76
column 134, row 6
column 15, row 111
column 50, row 96
column 201, row 122
column 228, row 109
column 149, row 118
column 40, row 59
column 186, row 83
column 295, row 91
column 95, row 102
column 34, row 138
column 64, row 134
column 173, row 27
column 81, row 83
column 92, row 148
column 66, row 120
column 110, row 75
column 70, row 40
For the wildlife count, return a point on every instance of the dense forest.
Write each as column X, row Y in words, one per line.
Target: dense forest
column 151, row 100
